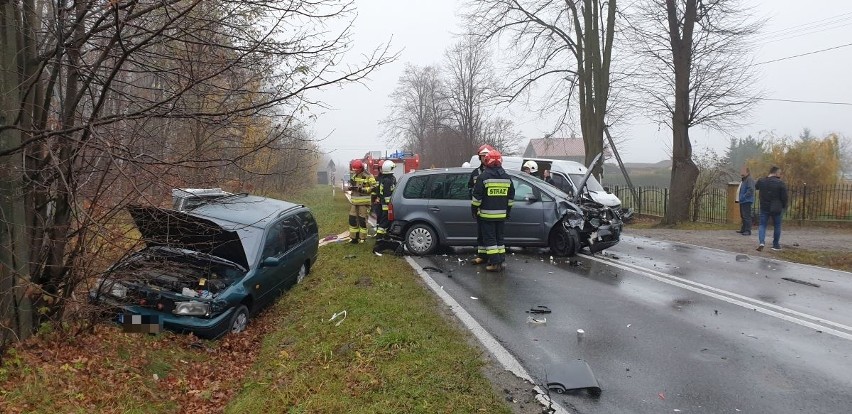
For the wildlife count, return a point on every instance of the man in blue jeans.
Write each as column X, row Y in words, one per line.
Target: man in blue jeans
column 745, row 198
column 773, row 202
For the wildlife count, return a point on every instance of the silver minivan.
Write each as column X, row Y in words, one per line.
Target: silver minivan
column 431, row 208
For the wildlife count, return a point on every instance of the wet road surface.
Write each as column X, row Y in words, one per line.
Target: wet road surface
column 670, row 327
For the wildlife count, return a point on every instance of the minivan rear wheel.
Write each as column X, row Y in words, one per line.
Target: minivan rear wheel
column 564, row 241
column 421, row 239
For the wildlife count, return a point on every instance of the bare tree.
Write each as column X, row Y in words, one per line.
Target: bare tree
column 471, row 89
column 115, row 101
column 501, row 133
column 696, row 70
column 565, row 46
column 418, row 109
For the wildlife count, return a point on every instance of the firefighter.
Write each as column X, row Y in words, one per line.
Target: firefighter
column 387, row 183
column 361, row 185
column 480, row 246
column 530, row 167
column 491, row 202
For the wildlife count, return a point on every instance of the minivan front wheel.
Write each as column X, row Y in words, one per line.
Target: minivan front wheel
column 564, row 241
column 421, row 239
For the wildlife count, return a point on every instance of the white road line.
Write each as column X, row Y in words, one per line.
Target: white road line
column 509, row 362
column 755, row 302
column 735, row 299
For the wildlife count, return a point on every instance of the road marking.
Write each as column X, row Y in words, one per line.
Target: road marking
column 779, row 312
column 509, row 362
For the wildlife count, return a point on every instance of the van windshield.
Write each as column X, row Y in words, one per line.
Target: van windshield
column 592, row 184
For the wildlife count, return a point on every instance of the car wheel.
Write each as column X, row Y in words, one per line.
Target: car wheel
column 239, row 320
column 303, row 271
column 421, row 239
column 564, row 242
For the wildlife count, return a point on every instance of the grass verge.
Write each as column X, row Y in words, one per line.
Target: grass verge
column 393, row 352
column 832, row 260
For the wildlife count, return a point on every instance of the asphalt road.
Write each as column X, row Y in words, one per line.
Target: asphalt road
column 669, row 327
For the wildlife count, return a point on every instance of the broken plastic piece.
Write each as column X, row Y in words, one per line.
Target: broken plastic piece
column 574, row 375
column 337, row 314
column 530, row 319
column 539, row 309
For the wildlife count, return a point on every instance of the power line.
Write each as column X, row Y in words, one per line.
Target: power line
column 817, row 24
column 803, row 54
column 807, row 102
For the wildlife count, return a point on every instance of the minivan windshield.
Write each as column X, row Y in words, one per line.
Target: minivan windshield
column 592, row 183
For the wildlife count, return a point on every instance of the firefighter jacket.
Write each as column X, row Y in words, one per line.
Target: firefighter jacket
column 362, row 185
column 493, row 195
column 387, row 183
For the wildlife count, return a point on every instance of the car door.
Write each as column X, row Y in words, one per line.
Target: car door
column 295, row 252
column 525, row 223
column 272, row 268
column 449, row 205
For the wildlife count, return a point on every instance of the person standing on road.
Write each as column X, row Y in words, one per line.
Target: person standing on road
column 745, row 198
column 361, row 184
column 773, row 202
column 471, row 182
column 491, row 202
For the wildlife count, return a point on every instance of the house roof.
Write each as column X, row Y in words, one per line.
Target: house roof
column 558, row 147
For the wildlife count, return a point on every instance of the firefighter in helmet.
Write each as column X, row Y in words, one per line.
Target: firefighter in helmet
column 491, row 202
column 361, row 185
column 471, row 182
column 387, row 183
column 530, row 167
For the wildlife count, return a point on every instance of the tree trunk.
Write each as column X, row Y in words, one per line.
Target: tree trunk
column 684, row 170
column 15, row 306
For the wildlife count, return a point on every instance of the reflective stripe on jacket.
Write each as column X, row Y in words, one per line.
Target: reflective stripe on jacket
column 387, row 183
column 493, row 194
column 363, row 183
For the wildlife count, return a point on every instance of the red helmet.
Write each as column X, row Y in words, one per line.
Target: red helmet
column 494, row 159
column 484, row 149
column 356, row 165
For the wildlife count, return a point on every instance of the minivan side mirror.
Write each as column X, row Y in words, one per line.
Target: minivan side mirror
column 270, row 262
column 607, row 190
column 530, row 198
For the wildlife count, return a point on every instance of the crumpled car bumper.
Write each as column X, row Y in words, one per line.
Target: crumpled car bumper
column 210, row 328
column 607, row 236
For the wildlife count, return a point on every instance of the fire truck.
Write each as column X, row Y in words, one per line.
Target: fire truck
column 406, row 162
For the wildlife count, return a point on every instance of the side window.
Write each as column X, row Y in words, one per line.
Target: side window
column 274, row 245
column 437, row 186
column 456, row 187
column 560, row 182
column 415, row 187
column 292, row 236
column 309, row 224
column 522, row 189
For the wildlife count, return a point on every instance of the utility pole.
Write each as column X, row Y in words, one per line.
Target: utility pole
column 621, row 166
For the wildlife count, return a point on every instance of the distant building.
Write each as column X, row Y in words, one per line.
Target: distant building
column 570, row 149
column 327, row 176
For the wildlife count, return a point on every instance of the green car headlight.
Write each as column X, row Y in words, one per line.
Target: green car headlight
column 192, row 308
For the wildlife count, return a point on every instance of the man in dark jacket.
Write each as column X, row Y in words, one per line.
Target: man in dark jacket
column 773, row 202
column 492, row 199
column 474, row 175
column 745, row 197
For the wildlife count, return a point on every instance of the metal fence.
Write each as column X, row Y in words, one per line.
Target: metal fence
column 805, row 203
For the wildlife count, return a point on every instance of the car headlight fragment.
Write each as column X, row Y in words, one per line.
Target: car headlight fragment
column 111, row 287
column 192, row 308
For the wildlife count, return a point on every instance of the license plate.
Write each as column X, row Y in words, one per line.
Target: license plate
column 150, row 324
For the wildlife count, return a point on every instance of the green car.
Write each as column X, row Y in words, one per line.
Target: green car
column 210, row 268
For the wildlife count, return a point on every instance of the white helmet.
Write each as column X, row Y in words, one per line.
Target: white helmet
column 532, row 165
column 466, row 164
column 388, row 166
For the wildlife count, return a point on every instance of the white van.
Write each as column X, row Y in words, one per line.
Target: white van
column 566, row 175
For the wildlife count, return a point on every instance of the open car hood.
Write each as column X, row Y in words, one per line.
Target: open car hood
column 582, row 183
column 160, row 227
